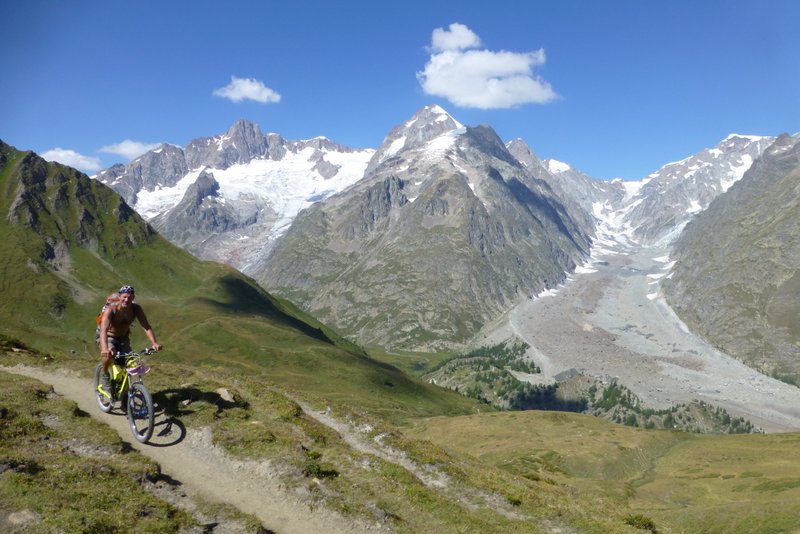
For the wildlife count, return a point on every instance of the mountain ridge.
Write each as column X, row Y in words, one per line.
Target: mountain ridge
column 453, row 192
column 206, row 221
column 735, row 278
column 263, row 181
column 68, row 239
column 204, row 312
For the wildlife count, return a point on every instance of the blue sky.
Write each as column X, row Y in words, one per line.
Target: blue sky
column 615, row 88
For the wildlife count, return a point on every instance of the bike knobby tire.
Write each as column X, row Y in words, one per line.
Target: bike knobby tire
column 104, row 402
column 141, row 415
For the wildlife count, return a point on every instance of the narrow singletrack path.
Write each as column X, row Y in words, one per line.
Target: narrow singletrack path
column 203, row 469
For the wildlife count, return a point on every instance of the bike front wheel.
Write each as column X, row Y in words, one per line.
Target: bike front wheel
column 104, row 399
column 141, row 414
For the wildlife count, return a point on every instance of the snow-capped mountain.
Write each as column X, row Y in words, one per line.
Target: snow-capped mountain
column 227, row 197
column 736, row 275
column 659, row 206
column 446, row 230
column 417, row 132
column 382, row 223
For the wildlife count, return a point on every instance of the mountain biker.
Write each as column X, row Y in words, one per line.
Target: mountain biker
column 115, row 329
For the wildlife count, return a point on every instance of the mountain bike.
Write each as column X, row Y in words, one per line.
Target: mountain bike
column 126, row 373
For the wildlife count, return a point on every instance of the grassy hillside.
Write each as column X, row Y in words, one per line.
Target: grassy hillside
column 681, row 482
column 67, row 241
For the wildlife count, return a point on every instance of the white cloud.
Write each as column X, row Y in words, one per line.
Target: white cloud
column 483, row 79
column 129, row 149
column 72, row 159
column 459, row 37
column 247, row 89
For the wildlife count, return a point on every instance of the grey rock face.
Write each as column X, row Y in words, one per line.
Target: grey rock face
column 737, row 276
column 444, row 232
column 200, row 215
column 236, row 228
column 162, row 167
column 675, row 193
column 276, row 147
column 577, row 192
column 242, row 143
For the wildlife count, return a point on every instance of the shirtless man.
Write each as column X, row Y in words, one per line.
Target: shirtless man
column 115, row 329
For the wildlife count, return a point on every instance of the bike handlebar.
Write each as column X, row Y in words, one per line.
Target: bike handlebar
column 144, row 352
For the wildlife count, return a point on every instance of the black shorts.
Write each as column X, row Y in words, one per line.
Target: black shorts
column 122, row 345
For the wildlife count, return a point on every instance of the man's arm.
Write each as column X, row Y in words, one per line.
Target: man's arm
column 148, row 330
column 105, row 322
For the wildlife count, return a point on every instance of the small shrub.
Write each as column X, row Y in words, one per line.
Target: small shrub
column 641, row 522
column 313, row 467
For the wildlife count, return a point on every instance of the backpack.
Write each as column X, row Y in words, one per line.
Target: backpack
column 111, row 301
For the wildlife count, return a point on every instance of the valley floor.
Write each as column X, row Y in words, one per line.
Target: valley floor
column 610, row 321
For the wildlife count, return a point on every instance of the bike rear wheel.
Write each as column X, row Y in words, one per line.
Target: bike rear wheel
column 141, row 414
column 104, row 402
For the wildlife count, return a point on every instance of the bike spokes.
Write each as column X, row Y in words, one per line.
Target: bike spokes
column 102, row 395
column 127, row 387
column 140, row 412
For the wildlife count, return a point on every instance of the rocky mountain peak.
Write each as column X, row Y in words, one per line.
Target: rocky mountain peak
column 242, row 143
column 64, row 207
column 161, row 167
column 436, row 192
column 244, row 128
column 490, row 143
column 783, row 143
column 322, row 144
column 247, row 139
column 427, row 124
column 736, row 142
column 541, row 170
column 524, row 153
column 668, row 198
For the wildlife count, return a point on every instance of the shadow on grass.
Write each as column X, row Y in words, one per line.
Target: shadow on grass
column 545, row 398
column 178, row 401
column 249, row 299
column 171, row 404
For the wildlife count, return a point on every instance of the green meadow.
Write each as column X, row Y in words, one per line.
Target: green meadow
column 684, row 482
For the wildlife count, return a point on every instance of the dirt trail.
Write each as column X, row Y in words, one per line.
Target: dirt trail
column 611, row 321
column 204, row 470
